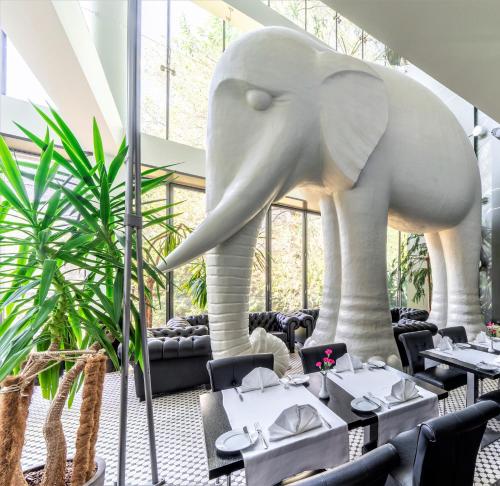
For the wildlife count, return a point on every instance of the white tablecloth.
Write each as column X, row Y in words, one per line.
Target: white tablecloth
column 315, row 449
column 398, row 418
column 469, row 355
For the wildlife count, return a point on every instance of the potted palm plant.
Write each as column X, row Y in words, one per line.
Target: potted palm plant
column 61, row 266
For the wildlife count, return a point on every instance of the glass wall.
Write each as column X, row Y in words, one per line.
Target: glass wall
column 191, row 212
column 315, row 263
column 182, row 42
column 287, row 265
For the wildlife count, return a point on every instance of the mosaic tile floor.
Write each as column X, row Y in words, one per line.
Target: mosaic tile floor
column 181, row 455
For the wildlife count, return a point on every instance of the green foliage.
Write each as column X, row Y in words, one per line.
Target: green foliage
column 61, row 248
column 415, row 268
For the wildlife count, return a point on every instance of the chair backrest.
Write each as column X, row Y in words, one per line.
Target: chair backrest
column 407, row 325
column 228, row 372
column 456, row 333
column 371, row 469
column 414, row 342
column 447, row 446
column 310, row 356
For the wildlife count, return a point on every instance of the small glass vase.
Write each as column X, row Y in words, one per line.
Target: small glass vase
column 491, row 348
column 323, row 392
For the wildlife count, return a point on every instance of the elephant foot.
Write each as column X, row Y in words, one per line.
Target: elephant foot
column 263, row 342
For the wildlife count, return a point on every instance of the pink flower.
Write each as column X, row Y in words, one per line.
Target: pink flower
column 326, row 360
column 332, row 361
column 318, row 364
column 490, row 324
column 328, row 352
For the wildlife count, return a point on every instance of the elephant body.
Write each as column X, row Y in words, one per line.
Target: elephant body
column 373, row 147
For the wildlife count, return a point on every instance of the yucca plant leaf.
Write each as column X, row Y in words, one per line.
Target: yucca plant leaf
column 42, row 173
column 48, row 271
column 11, row 170
column 117, row 162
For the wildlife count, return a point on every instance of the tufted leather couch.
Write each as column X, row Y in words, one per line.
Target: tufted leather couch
column 176, row 363
column 398, row 313
column 178, row 331
column 280, row 324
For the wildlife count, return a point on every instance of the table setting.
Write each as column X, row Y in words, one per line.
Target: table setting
column 482, row 360
column 280, row 428
column 397, row 401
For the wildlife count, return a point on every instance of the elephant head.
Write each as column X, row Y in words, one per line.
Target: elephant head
column 284, row 111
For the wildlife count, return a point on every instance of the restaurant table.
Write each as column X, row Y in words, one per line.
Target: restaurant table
column 473, row 376
column 215, row 420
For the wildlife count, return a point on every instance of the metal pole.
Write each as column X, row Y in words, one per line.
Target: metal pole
column 133, row 223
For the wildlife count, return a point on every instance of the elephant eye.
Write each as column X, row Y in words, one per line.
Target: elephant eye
column 259, row 99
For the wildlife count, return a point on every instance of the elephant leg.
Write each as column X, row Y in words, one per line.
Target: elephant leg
column 324, row 332
column 439, row 303
column 364, row 321
column 462, row 246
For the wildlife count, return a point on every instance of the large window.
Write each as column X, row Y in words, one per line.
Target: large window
column 20, row 82
column 190, row 207
column 287, row 259
column 181, row 44
column 315, row 260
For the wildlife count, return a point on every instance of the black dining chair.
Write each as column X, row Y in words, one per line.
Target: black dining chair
column 443, row 450
column 372, row 469
column 228, row 372
column 456, row 333
column 447, row 378
column 492, row 395
column 310, row 356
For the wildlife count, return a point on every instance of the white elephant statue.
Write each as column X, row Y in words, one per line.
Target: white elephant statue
column 373, row 146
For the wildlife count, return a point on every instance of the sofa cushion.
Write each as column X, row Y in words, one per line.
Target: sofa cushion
column 186, row 347
column 180, row 331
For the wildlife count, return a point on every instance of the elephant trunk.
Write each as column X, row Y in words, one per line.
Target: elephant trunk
column 229, row 270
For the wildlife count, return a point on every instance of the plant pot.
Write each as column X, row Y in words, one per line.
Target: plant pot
column 96, row 480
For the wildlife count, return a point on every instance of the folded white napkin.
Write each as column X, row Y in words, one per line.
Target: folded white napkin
column 402, row 391
column 294, row 420
column 446, row 344
column 482, row 338
column 258, row 379
column 348, row 363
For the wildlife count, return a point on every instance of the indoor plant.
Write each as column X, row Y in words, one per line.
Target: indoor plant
column 61, row 263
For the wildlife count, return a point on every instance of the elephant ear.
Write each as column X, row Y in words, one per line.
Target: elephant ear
column 354, row 113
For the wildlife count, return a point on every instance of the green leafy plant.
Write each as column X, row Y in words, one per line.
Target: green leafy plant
column 414, row 268
column 61, row 249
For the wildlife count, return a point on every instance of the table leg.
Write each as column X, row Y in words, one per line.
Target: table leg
column 472, row 389
column 370, row 437
column 228, row 480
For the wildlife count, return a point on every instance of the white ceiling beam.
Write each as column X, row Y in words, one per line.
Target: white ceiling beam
column 457, row 42
column 54, row 40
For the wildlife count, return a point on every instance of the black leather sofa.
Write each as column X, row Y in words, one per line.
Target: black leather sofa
column 176, row 363
column 279, row 324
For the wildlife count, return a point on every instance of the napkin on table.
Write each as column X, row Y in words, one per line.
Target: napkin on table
column 258, row 379
column 482, row 338
column 402, row 391
column 348, row 363
column 446, row 344
column 293, row 421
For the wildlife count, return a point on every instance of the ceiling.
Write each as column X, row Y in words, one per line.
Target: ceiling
column 457, row 42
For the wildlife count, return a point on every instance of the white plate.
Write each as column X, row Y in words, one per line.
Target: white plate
column 375, row 363
column 362, row 405
column 488, row 366
column 235, row 441
column 298, row 379
column 462, row 345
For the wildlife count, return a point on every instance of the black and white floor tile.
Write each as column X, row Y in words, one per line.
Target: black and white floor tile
column 179, row 437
